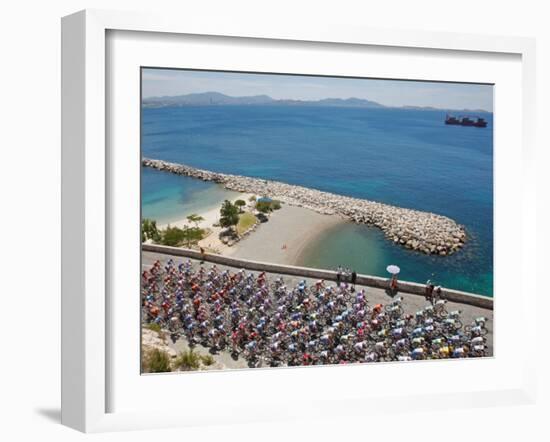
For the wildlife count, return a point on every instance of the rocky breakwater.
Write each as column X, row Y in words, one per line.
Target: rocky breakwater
column 421, row 231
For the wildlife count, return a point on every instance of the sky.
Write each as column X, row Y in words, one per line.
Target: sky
column 171, row 82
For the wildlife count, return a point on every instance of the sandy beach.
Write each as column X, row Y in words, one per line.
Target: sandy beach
column 211, row 217
column 292, row 226
column 212, row 242
column 281, row 240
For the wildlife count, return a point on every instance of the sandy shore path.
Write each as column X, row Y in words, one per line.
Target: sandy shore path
column 292, row 226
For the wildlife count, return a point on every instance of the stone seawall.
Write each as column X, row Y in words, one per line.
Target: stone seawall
column 307, row 272
column 421, row 231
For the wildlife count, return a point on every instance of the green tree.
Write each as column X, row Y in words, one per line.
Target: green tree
column 229, row 214
column 155, row 234
column 194, row 218
column 240, row 204
column 149, row 230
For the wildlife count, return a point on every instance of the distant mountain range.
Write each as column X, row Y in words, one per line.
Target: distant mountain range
column 219, row 99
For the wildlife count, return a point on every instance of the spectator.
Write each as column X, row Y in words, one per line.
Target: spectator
column 393, row 285
column 429, row 291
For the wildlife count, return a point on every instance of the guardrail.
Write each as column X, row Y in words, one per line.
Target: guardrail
column 367, row 280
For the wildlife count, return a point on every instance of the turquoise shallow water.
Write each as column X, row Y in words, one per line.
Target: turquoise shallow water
column 353, row 244
column 167, row 197
column 403, row 157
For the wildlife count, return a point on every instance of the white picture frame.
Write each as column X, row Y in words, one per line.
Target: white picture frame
column 86, row 210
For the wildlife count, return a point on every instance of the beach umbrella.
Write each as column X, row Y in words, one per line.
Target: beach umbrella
column 393, row 269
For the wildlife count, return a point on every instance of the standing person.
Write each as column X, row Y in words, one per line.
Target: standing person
column 202, row 255
column 429, row 292
column 353, row 280
column 437, row 294
column 393, row 285
column 338, row 276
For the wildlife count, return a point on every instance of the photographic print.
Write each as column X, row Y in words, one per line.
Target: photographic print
column 300, row 220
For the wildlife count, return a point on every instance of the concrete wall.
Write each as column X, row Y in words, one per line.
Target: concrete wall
column 371, row 281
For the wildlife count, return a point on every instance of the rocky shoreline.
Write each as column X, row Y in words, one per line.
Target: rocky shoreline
column 421, row 231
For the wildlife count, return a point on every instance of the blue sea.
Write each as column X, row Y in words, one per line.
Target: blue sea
column 404, row 157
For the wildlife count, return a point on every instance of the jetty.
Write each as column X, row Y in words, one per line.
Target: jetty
column 424, row 232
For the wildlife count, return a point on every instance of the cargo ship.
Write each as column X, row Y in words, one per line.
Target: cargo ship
column 465, row 121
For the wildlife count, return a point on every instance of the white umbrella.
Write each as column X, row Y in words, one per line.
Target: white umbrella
column 393, row 269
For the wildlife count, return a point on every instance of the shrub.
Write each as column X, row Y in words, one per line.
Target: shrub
column 156, row 361
column 263, row 206
column 174, row 236
column 154, row 327
column 188, row 360
column 268, row 206
column 252, row 198
column 207, row 360
column 194, row 234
